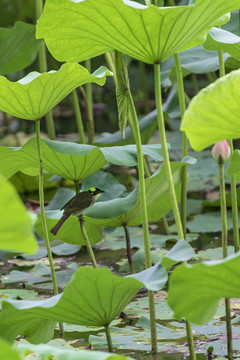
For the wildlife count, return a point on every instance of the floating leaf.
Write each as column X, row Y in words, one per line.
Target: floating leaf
column 16, row 232
column 136, row 30
column 49, row 352
column 195, row 290
column 219, row 39
column 213, row 114
column 93, row 297
column 33, row 96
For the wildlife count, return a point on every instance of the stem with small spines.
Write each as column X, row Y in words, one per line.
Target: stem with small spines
column 84, row 232
column 42, row 60
column 43, row 216
column 184, row 170
column 232, row 179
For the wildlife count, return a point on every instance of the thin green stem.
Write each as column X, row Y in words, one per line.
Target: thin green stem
column 147, row 170
column 43, row 218
column 194, row 82
column 87, row 242
column 165, row 226
column 89, row 104
column 221, row 63
column 42, row 211
column 76, row 183
column 84, row 232
column 133, row 120
column 184, row 171
column 232, row 180
column 144, row 86
column 134, row 123
column 109, row 339
column 42, row 61
column 128, row 247
column 234, row 202
column 211, row 77
column 225, row 254
column 111, row 64
column 190, row 340
column 163, row 140
column 148, row 173
column 169, row 177
column 78, row 115
column 90, row 124
column 223, row 210
column 229, row 328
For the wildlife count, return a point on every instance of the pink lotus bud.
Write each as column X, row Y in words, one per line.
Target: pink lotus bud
column 221, row 151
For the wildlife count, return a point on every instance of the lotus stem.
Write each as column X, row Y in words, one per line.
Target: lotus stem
column 109, row 339
column 78, row 116
column 172, row 193
column 90, row 124
column 234, row 201
column 133, row 121
column 42, row 61
column 43, row 218
column 225, row 254
column 128, row 247
column 165, row 225
column 84, row 232
column 194, row 82
column 144, row 85
column 89, row 105
column 87, row 242
column 190, row 340
column 184, row 171
column 163, row 140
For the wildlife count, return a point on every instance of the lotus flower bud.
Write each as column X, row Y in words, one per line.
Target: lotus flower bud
column 221, row 151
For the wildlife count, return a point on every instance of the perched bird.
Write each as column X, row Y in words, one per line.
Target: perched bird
column 77, row 205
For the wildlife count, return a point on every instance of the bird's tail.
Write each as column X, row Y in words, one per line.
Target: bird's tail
column 55, row 229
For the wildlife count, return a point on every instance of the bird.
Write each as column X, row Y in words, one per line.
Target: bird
column 77, row 205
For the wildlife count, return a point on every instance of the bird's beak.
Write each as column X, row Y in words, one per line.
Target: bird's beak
column 102, row 191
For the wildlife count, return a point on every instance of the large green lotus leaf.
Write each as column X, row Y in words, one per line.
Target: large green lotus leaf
column 195, row 291
column 16, row 232
column 70, row 232
column 48, row 352
column 213, row 114
column 33, row 96
column 93, row 297
column 7, row 352
column 58, row 158
column 86, row 29
column 234, row 165
column 69, row 160
column 113, row 212
column 219, row 39
column 18, row 47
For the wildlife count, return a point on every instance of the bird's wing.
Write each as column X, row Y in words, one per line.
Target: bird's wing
column 80, row 201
